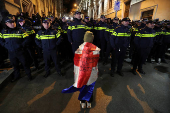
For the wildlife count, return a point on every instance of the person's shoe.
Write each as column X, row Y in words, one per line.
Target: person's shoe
column 37, row 68
column 164, row 61
column 15, row 79
column 46, row 75
column 83, row 105
column 60, row 74
column 112, row 74
column 88, row 105
column 120, row 73
column 30, row 78
column 134, row 72
column 141, row 71
column 104, row 63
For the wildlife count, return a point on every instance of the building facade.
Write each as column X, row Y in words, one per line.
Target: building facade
column 46, row 7
column 135, row 9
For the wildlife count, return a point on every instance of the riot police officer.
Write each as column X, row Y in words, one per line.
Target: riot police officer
column 48, row 39
column 29, row 30
column 76, row 31
column 143, row 43
column 15, row 39
column 120, row 40
column 100, row 28
column 108, row 33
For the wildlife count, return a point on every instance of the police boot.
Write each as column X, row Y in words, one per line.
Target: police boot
column 120, row 73
column 112, row 73
column 134, row 72
column 60, row 74
column 47, row 74
column 141, row 71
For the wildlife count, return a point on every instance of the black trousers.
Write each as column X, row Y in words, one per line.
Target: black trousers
column 31, row 52
column 16, row 57
column 141, row 55
column 75, row 46
column 108, row 51
column 118, row 56
column 102, row 45
column 48, row 55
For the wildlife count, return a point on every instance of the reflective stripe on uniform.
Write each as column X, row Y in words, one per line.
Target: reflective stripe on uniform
column 13, row 36
column 145, row 35
column 24, row 35
column 58, row 34
column 77, row 27
column 46, row 37
column 121, row 34
column 1, row 35
column 111, row 30
column 100, row 28
column 166, row 33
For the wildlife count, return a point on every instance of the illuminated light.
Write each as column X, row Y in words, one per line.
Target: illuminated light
column 66, row 18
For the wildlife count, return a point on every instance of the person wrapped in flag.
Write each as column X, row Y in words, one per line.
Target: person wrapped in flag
column 85, row 70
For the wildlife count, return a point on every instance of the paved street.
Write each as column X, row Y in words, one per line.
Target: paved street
column 148, row 93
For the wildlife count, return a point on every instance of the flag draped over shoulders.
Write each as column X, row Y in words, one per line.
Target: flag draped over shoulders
column 85, row 70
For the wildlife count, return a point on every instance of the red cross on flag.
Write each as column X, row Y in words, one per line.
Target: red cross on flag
column 86, row 64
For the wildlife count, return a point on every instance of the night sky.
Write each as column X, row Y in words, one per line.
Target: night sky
column 69, row 4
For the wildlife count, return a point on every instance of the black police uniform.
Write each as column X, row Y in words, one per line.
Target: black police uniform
column 66, row 51
column 15, row 40
column 99, row 38
column 75, row 33
column 165, row 42
column 143, row 43
column 119, row 40
column 108, row 33
column 156, row 49
column 29, row 30
column 48, row 40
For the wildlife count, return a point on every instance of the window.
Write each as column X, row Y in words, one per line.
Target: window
column 110, row 4
column 147, row 14
column 103, row 6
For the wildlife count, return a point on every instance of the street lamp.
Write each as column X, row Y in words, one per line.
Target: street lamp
column 75, row 5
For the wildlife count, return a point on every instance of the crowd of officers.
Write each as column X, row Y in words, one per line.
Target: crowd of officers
column 58, row 39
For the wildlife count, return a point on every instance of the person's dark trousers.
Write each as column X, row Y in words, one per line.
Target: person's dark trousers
column 103, row 48
column 158, row 53
column 163, row 51
column 90, row 101
column 141, row 55
column 48, row 55
column 108, row 50
column 16, row 57
column 31, row 52
column 131, row 51
column 75, row 46
column 118, row 56
column 152, row 52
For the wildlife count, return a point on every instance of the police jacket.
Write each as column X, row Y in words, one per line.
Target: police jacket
column 64, row 27
column 159, row 35
column 120, row 37
column 13, row 39
column 56, row 26
column 109, row 30
column 48, row 39
column 144, row 38
column 76, row 31
column 100, row 28
column 89, row 26
column 30, row 31
column 166, row 36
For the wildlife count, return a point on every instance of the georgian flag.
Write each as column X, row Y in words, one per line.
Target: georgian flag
column 85, row 71
column 86, row 64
